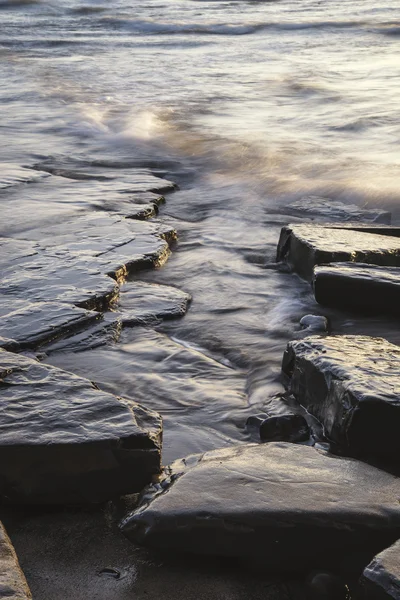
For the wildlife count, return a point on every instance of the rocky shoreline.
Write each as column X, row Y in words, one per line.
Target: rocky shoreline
column 321, row 495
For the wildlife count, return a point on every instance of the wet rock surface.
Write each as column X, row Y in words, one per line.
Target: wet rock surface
column 142, row 302
column 12, row 580
column 78, row 263
column 285, row 428
column 65, row 441
column 33, row 323
column 292, row 507
column 326, row 209
column 193, row 392
column 350, row 383
column 305, row 246
column 381, row 578
column 358, row 287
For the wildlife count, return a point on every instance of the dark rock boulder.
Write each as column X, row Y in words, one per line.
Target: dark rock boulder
column 326, row 209
column 279, row 423
column 290, row 507
column 287, row 428
column 358, row 287
column 352, row 385
column 381, row 578
column 305, row 246
column 141, row 302
column 62, row 440
column 13, row 584
column 314, row 323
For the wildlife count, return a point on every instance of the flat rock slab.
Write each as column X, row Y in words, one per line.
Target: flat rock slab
column 64, row 441
column 290, row 507
column 326, row 209
column 305, row 246
column 13, row 584
column 142, row 302
column 70, row 262
column 358, row 287
column 352, row 385
column 381, row 579
column 33, row 323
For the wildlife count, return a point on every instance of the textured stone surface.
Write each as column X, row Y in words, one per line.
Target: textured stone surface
column 13, row 584
column 381, row 578
column 358, row 287
column 64, row 441
column 33, row 323
column 326, row 209
column 70, row 262
column 352, row 385
column 305, row 246
column 141, row 302
column 290, row 506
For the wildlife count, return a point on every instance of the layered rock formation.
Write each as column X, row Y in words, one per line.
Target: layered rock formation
column 291, row 507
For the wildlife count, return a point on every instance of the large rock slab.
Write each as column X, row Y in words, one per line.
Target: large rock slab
column 290, row 507
column 13, row 584
column 358, row 287
column 352, row 385
column 64, row 441
column 142, row 302
column 381, row 578
column 326, row 209
column 305, row 246
column 33, row 323
column 71, row 262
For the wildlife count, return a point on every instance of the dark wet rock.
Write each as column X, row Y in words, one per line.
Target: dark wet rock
column 141, row 302
column 290, row 506
column 62, row 440
column 279, row 422
column 13, row 584
column 8, row 344
column 33, row 323
column 358, row 287
column 70, row 280
column 326, row 209
column 314, row 323
column 70, row 262
column 254, row 422
column 326, row 586
column 305, row 246
column 285, row 428
column 351, row 384
column 381, row 578
column 103, row 332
